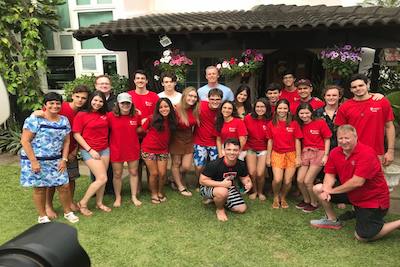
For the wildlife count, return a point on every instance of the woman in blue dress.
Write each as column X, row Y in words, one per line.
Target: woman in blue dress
column 45, row 143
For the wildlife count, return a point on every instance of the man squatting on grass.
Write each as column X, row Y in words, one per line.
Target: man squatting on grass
column 217, row 180
column 362, row 184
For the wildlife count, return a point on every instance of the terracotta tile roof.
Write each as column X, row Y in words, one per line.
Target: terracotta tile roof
column 260, row 18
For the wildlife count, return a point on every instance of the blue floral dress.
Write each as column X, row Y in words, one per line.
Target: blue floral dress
column 47, row 146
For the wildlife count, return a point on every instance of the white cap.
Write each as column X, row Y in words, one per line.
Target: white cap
column 124, row 97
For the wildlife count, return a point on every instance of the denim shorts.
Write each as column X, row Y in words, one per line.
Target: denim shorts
column 86, row 156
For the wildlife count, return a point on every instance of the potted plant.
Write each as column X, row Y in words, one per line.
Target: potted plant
column 173, row 60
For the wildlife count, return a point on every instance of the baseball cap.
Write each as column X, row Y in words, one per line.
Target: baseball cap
column 304, row 82
column 124, row 97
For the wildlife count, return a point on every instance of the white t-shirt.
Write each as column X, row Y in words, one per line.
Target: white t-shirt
column 174, row 100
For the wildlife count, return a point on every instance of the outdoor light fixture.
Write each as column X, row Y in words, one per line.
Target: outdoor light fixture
column 165, row 41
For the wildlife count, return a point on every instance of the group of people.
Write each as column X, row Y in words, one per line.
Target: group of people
column 227, row 138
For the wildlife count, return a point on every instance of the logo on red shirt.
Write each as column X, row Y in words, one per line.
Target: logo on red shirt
column 148, row 104
column 133, row 123
column 314, row 131
column 264, row 127
column 103, row 117
column 289, row 129
column 374, row 109
column 232, row 130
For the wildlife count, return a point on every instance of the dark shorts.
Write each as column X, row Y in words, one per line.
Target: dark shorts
column 73, row 169
column 369, row 222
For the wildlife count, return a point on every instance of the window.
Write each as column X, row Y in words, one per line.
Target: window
column 63, row 12
column 195, row 75
column 48, row 39
column 109, row 65
column 66, row 42
column 82, row 2
column 89, row 62
column 89, row 18
column 104, row 1
column 61, row 71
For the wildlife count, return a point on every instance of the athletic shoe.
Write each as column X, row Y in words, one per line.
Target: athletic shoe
column 326, row 223
column 348, row 215
column 43, row 219
column 71, row 217
column 301, row 205
column 309, row 208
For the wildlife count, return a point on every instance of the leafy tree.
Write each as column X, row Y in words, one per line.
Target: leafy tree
column 22, row 52
column 385, row 3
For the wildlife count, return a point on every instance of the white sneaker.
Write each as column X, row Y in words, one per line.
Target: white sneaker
column 43, row 219
column 71, row 217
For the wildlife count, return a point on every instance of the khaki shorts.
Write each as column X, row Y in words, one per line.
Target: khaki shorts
column 283, row 160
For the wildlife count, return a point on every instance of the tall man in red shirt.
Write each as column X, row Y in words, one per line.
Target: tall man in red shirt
column 204, row 137
column 362, row 184
column 371, row 118
column 289, row 91
column 145, row 101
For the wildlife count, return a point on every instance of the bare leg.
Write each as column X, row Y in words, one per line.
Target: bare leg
column 65, row 197
column 71, row 183
column 50, row 212
column 133, row 180
column 176, row 171
column 301, row 174
column 330, row 213
column 117, row 182
column 251, row 160
column 309, row 182
column 287, row 183
column 39, row 199
column 276, row 185
column 220, row 197
column 153, row 180
column 198, row 170
column 261, row 177
column 162, row 177
column 100, row 193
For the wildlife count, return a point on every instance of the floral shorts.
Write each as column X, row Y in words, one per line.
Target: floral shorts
column 155, row 157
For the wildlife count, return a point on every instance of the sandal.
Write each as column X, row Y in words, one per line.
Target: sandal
column 275, row 204
column 185, row 192
column 84, row 210
column 284, row 204
column 162, row 198
column 155, row 200
column 103, row 207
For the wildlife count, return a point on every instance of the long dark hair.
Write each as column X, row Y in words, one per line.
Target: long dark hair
column 220, row 119
column 304, row 105
column 158, row 119
column 103, row 109
column 268, row 113
column 247, row 103
column 289, row 118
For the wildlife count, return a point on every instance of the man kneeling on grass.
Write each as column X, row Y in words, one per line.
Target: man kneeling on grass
column 362, row 184
column 217, row 180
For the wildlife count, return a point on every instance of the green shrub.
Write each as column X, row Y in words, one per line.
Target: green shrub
column 10, row 138
column 119, row 84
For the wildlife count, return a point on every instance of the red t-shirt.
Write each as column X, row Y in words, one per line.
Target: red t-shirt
column 93, row 127
column 292, row 97
column 191, row 119
column 68, row 112
column 256, row 133
column 145, row 103
column 283, row 136
column 369, row 118
column 156, row 142
column 315, row 103
column 124, row 140
column 363, row 162
column 233, row 129
column 205, row 133
column 315, row 133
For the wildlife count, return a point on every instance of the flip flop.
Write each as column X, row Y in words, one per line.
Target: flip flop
column 103, row 207
column 185, row 192
column 155, row 200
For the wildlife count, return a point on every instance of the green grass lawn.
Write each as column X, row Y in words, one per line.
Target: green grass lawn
column 184, row 232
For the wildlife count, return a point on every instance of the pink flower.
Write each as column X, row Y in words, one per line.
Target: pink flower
column 156, row 63
column 248, row 52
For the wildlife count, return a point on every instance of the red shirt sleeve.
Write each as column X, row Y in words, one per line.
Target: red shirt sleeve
column 325, row 131
column 78, row 123
column 329, row 166
column 340, row 118
column 297, row 130
column 242, row 130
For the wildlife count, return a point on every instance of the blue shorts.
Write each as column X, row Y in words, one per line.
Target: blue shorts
column 201, row 153
column 86, row 156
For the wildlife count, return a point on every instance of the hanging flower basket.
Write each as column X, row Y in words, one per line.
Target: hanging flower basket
column 341, row 61
column 174, row 61
column 249, row 62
